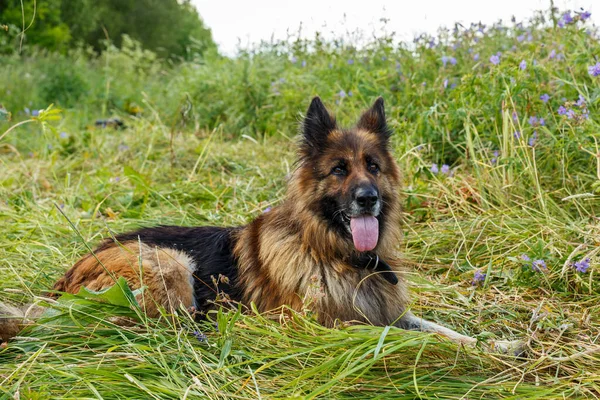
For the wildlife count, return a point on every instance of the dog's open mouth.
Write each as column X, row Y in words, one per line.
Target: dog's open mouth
column 365, row 232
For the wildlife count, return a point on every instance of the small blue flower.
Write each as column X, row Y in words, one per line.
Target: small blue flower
column 478, row 278
column 303, row 63
column 452, row 60
column 35, row 113
column 341, row 94
column 494, row 159
column 517, row 135
column 294, row 60
column 445, row 169
column 552, row 54
column 584, row 15
column 523, row 65
column 582, row 265
column 562, row 110
column 201, row 337
column 545, row 97
column 495, row 59
column 525, row 257
column 533, row 120
column 532, row 139
column 520, row 38
column 445, row 60
column 64, row 135
column 476, row 57
column 350, row 62
column 538, row 265
column 580, row 101
column 434, row 168
column 267, row 210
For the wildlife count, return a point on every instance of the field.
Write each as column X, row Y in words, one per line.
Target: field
column 496, row 132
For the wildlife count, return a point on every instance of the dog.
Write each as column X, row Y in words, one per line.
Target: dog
column 336, row 231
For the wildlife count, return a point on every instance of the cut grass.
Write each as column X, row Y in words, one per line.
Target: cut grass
column 280, row 356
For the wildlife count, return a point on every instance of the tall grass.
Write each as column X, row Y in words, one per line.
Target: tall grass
column 211, row 142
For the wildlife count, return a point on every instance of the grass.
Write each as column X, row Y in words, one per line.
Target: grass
column 213, row 145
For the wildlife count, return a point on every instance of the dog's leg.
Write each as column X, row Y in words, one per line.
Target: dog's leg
column 411, row 322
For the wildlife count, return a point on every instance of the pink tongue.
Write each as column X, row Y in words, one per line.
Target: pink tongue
column 365, row 232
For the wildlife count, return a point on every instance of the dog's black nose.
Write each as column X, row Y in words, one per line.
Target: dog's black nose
column 366, row 197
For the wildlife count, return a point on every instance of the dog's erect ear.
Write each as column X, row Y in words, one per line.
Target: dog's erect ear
column 317, row 124
column 373, row 120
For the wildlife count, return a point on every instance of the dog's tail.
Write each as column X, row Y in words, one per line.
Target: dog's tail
column 13, row 319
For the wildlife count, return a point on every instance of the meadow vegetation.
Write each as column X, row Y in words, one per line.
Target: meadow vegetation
column 496, row 132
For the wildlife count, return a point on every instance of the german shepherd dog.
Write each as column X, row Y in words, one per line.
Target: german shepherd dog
column 336, row 230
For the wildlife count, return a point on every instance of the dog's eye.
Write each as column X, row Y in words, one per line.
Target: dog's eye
column 339, row 170
column 373, row 168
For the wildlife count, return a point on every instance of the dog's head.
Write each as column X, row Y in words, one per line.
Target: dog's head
column 349, row 175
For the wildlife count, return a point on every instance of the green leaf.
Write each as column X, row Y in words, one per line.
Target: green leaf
column 119, row 294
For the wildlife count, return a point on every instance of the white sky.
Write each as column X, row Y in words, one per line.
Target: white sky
column 253, row 20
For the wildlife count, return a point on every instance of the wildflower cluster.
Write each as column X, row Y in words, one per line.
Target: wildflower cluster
column 536, row 265
column 575, row 110
column 444, row 170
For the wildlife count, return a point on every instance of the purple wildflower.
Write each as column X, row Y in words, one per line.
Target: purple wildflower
column 538, row 265
column 452, row 60
column 542, row 122
column 294, row 60
column 123, row 147
column 571, row 114
column 200, row 336
column 303, row 63
column 434, row 168
column 350, row 62
column 532, row 139
column 28, row 111
column 582, row 265
column 517, row 135
column 529, row 37
column 476, row 57
column 349, row 93
column 64, row 135
column 552, row 54
column 584, row 15
column 494, row 160
column 35, row 113
column 545, row 97
column 445, row 60
column 341, row 94
column 580, row 101
column 533, row 120
column 525, row 257
column 478, row 278
column 562, row 110
column 445, row 169
column 520, row 38
column 594, row 70
column 515, row 116
column 445, row 83
column 495, row 59
column 567, row 18
column 523, row 65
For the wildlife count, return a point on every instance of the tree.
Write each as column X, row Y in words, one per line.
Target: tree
column 167, row 27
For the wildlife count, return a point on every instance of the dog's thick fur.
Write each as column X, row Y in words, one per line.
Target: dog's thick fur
column 300, row 254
